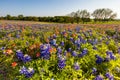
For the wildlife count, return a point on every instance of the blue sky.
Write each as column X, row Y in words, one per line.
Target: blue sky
column 54, row 7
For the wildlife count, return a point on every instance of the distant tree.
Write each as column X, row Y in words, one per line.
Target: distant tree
column 104, row 14
column 113, row 16
column 8, row 17
column 76, row 17
column 84, row 15
column 20, row 17
column 35, row 18
column 80, row 16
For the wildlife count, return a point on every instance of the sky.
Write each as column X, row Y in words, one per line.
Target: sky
column 54, row 7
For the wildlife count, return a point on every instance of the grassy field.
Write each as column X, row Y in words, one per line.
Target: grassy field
column 54, row 51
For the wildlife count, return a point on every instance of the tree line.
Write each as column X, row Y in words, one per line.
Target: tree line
column 83, row 16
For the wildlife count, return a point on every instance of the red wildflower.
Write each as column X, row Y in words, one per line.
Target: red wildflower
column 14, row 64
column 37, row 54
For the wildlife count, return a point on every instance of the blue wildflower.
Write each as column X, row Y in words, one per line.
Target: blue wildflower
column 77, row 41
column 2, row 48
column 99, row 59
column 119, row 50
column 110, row 54
column 53, row 42
column 23, row 70
column 94, row 47
column 107, row 59
column 26, row 58
column 54, row 36
column 107, row 42
column 71, row 39
column 62, row 43
column 45, row 51
column 94, row 70
column 61, row 63
column 19, row 55
column 59, row 56
column 65, row 53
column 77, row 29
column 74, row 53
column 83, row 53
column 109, row 76
column 69, row 50
column 27, row 72
column 59, row 50
column 76, row 66
column 17, row 36
column 98, row 78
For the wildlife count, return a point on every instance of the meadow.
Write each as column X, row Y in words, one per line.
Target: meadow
column 53, row 51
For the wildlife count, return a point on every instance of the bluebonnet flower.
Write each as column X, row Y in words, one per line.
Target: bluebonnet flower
column 26, row 58
column 69, row 50
column 109, row 76
column 17, row 36
column 107, row 59
column 119, row 50
column 53, row 42
column 23, row 70
column 19, row 55
column 76, row 66
column 2, row 48
column 62, row 43
column 79, row 37
column 84, row 52
column 63, row 32
column 111, row 55
column 107, row 42
column 99, row 78
column 59, row 50
column 27, row 72
column 65, row 53
column 77, row 29
column 94, row 47
column 83, row 41
column 93, row 42
column 54, row 36
column 74, row 53
column 45, row 51
column 61, row 63
column 30, row 72
column 77, row 43
column 27, row 43
column 94, row 70
column 71, row 39
column 99, row 59
column 59, row 56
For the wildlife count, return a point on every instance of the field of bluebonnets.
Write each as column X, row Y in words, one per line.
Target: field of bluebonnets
column 59, row 52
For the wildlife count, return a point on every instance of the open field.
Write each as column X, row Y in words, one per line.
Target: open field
column 54, row 51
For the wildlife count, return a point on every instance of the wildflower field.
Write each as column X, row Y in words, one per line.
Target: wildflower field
column 59, row 52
